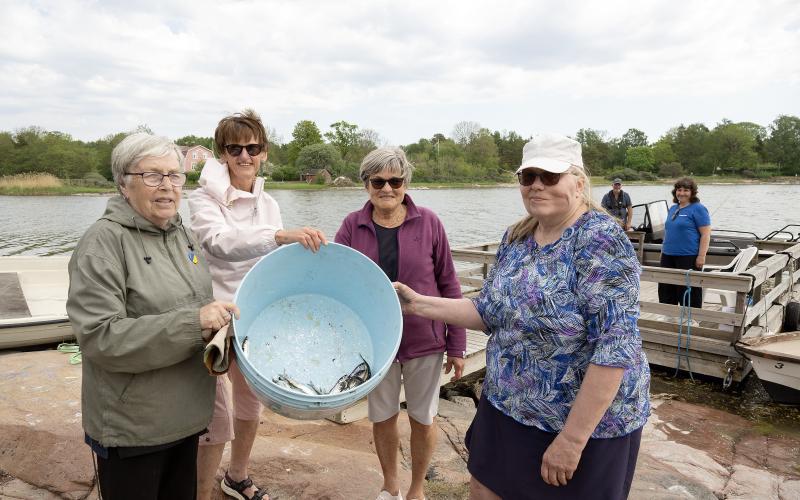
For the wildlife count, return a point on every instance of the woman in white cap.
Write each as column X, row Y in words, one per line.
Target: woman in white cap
column 566, row 390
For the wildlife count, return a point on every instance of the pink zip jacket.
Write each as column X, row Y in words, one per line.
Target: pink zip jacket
column 235, row 228
column 425, row 264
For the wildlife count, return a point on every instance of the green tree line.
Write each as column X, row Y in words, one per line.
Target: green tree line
column 470, row 153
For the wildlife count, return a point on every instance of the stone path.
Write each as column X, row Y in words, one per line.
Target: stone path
column 688, row 451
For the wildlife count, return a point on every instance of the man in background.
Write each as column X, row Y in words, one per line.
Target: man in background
column 618, row 204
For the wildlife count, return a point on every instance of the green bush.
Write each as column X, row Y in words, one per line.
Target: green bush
column 192, row 176
column 95, row 179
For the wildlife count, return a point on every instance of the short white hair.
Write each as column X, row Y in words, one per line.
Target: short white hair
column 137, row 147
column 392, row 159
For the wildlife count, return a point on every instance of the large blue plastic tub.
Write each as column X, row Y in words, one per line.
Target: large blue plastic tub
column 313, row 317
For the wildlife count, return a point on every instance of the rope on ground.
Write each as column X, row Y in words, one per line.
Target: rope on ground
column 70, row 348
column 686, row 317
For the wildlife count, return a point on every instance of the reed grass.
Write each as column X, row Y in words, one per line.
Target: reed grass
column 40, row 184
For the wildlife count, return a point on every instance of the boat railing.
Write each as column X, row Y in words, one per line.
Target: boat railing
column 762, row 291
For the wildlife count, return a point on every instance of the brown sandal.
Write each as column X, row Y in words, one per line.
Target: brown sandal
column 236, row 489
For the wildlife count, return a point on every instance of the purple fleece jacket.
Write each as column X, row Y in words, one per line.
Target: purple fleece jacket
column 425, row 264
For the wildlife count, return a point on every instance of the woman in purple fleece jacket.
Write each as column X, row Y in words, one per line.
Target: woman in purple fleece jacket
column 410, row 245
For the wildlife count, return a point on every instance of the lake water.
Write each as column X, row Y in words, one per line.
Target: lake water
column 51, row 225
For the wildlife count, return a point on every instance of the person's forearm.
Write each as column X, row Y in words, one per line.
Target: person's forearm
column 598, row 389
column 705, row 241
column 459, row 312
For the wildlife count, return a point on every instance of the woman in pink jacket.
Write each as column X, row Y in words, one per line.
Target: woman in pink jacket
column 236, row 223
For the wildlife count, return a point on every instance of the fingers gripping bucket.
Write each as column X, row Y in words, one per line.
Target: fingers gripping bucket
column 313, row 317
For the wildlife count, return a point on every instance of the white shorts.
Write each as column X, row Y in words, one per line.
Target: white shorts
column 420, row 379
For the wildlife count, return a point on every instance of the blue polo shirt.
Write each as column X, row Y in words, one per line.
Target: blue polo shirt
column 682, row 236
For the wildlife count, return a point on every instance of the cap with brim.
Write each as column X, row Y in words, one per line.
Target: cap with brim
column 546, row 164
column 551, row 153
column 617, row 181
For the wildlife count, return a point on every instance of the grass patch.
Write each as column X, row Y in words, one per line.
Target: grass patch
column 41, row 184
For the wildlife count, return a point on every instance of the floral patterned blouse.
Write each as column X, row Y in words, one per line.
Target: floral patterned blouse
column 550, row 312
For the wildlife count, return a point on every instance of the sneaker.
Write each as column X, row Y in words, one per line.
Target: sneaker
column 385, row 495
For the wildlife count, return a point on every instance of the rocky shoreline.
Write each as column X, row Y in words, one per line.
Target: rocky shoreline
column 688, row 450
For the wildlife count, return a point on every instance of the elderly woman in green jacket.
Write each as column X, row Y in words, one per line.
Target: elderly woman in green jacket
column 141, row 306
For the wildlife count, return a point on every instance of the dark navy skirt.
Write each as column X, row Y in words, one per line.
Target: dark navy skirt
column 506, row 457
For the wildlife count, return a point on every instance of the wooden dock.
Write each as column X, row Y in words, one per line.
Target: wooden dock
column 709, row 347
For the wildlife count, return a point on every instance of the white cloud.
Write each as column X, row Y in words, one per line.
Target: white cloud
column 406, row 70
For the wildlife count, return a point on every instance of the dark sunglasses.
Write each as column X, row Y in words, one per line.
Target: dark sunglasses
column 528, row 177
column 394, row 182
column 236, row 149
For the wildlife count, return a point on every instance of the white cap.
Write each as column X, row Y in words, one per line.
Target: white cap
column 552, row 153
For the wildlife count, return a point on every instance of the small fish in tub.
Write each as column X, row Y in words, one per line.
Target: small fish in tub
column 358, row 376
column 287, row 382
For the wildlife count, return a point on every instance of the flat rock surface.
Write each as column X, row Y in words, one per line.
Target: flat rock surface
column 688, row 451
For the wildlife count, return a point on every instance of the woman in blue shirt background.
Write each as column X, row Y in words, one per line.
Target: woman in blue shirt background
column 686, row 238
column 566, row 390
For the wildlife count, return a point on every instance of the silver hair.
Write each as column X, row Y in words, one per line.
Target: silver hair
column 137, row 147
column 392, row 159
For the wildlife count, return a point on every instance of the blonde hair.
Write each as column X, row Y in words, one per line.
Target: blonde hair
column 525, row 227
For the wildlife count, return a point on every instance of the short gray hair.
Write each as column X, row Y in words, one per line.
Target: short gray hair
column 137, row 147
column 392, row 159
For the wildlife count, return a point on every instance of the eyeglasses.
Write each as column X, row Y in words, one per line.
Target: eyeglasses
column 394, row 182
column 236, row 149
column 154, row 179
column 528, row 177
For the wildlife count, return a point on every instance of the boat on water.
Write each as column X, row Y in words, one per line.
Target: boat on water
column 33, row 297
column 776, row 361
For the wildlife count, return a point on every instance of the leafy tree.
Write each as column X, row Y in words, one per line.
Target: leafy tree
column 731, row 148
column 193, row 140
column 509, row 149
column 318, row 156
column 634, row 138
column 690, row 144
column 783, row 145
column 305, row 133
column 103, row 148
column 285, row 173
column 481, row 152
column 345, row 137
column 663, row 153
column 640, row 158
column 595, row 149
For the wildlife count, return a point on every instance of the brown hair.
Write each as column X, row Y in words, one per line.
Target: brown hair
column 239, row 126
column 687, row 183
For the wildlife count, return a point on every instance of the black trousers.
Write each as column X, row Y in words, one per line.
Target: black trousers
column 673, row 294
column 169, row 473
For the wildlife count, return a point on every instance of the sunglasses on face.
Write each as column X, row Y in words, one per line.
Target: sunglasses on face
column 528, row 177
column 394, row 182
column 154, row 179
column 236, row 149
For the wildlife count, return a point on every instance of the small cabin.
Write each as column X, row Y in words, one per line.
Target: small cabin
column 311, row 176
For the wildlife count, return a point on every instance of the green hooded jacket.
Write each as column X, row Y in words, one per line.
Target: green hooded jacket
column 134, row 301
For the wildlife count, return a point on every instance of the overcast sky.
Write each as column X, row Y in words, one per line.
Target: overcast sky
column 405, row 69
